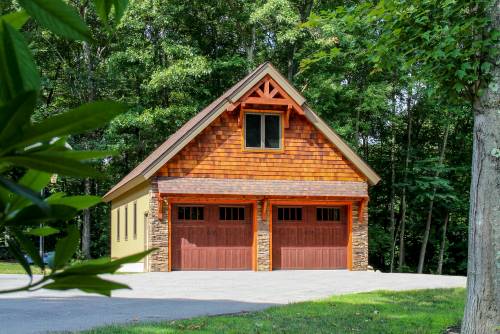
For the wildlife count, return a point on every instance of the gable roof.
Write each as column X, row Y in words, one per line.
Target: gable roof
column 198, row 123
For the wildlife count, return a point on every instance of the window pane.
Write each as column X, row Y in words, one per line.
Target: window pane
column 126, row 222
column 272, row 131
column 330, row 214
column 135, row 220
column 252, row 131
column 299, row 213
column 231, row 213
column 118, row 224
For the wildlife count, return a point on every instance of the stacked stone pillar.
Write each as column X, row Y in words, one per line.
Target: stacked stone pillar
column 263, row 237
column 158, row 230
column 359, row 237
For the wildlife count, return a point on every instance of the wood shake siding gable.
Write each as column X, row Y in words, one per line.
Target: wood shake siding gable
column 217, row 152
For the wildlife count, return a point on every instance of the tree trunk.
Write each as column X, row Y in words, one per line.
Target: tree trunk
column 86, row 225
column 392, row 227
column 443, row 244
column 90, row 96
column 304, row 10
column 251, row 48
column 356, row 129
column 482, row 310
column 405, row 180
column 425, row 239
column 291, row 62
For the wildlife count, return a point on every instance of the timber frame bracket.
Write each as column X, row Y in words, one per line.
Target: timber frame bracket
column 266, row 96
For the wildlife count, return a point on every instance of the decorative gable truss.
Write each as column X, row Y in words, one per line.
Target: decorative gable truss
column 266, row 95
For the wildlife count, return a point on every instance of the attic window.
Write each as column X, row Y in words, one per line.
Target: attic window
column 262, row 131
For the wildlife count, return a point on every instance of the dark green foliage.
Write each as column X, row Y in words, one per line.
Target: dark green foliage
column 30, row 151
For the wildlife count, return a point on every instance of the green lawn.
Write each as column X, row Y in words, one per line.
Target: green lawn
column 423, row 311
column 15, row 268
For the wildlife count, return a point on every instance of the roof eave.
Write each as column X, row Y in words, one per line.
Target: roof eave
column 114, row 193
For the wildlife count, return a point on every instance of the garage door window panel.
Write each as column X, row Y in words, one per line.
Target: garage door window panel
column 290, row 214
column 328, row 215
column 231, row 214
column 190, row 213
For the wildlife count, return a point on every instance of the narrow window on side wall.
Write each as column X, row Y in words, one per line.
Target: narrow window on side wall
column 135, row 220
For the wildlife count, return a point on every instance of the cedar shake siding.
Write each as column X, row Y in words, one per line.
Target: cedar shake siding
column 217, row 153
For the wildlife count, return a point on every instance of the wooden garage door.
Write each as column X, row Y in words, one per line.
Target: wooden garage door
column 309, row 237
column 211, row 237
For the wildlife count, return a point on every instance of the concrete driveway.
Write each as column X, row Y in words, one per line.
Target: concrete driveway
column 176, row 295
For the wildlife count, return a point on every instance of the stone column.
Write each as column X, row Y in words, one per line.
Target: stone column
column 359, row 237
column 263, row 236
column 158, row 231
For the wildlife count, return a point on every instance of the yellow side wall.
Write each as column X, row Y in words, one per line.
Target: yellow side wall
column 131, row 244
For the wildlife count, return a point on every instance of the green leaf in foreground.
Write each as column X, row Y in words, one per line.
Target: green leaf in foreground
column 66, row 247
column 104, row 7
column 81, row 119
column 23, row 191
column 28, row 247
column 33, row 180
column 15, row 114
column 47, row 162
column 102, row 266
column 58, row 17
column 15, row 250
column 86, row 283
column 43, row 231
column 33, row 216
column 16, row 19
column 18, row 72
column 77, row 202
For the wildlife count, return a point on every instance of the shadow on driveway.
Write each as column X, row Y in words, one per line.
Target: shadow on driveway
column 43, row 314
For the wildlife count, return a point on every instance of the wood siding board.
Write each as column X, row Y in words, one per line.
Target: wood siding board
column 217, row 153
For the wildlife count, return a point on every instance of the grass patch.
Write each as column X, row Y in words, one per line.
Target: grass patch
column 15, row 268
column 421, row 311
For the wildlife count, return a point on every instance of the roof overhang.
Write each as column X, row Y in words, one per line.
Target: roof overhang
column 248, row 187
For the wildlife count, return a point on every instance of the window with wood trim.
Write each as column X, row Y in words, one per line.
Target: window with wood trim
column 126, row 222
column 289, row 214
column 262, row 131
column 135, row 221
column 118, row 224
column 190, row 213
column 231, row 213
column 328, row 214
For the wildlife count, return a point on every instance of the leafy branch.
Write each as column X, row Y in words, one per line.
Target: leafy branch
column 41, row 150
